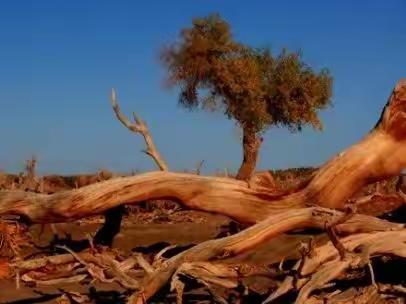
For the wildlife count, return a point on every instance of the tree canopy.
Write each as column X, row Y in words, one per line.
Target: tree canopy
column 251, row 85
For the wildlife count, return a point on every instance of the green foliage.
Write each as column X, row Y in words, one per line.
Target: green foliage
column 250, row 85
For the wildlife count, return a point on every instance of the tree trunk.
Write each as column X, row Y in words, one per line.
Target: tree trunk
column 382, row 153
column 111, row 226
column 251, row 144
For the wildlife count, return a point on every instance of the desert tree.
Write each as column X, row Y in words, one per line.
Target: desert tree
column 252, row 86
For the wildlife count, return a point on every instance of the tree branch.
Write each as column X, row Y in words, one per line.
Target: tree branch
column 139, row 126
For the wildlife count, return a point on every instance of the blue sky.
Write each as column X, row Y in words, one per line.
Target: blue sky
column 59, row 59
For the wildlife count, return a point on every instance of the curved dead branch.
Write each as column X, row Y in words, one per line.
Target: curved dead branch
column 382, row 153
column 251, row 237
column 325, row 264
column 139, row 126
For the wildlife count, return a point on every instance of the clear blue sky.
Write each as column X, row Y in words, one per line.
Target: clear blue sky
column 59, row 59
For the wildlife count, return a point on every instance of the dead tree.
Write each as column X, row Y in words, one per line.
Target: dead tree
column 29, row 179
column 30, row 168
column 113, row 217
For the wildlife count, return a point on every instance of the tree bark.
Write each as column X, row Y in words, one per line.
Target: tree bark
column 382, row 153
column 111, row 226
column 251, row 144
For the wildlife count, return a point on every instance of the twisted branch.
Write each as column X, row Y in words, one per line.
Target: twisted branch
column 139, row 126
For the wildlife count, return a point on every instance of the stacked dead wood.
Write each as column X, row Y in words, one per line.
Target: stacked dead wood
column 215, row 264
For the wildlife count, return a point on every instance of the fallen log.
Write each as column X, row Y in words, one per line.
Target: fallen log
column 260, row 233
column 161, row 271
column 382, row 153
column 325, row 264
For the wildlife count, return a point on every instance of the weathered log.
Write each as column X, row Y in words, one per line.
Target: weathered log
column 222, row 195
column 256, row 235
column 318, row 266
column 382, row 153
column 379, row 204
column 325, row 264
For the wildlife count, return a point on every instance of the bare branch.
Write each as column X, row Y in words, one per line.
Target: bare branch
column 199, row 167
column 139, row 126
